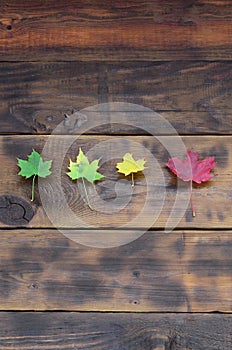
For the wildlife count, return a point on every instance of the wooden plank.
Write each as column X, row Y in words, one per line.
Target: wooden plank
column 100, row 30
column 195, row 97
column 114, row 331
column 35, row 97
column 181, row 271
column 212, row 199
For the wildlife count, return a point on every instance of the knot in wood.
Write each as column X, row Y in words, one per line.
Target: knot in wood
column 15, row 211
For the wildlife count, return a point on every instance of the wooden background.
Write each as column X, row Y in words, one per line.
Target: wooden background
column 164, row 291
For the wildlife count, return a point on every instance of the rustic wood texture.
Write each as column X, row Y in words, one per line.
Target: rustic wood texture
column 99, row 30
column 212, row 199
column 195, row 97
column 111, row 331
column 182, row 271
column 58, row 57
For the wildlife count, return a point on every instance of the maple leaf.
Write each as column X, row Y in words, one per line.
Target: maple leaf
column 83, row 169
column 130, row 166
column 191, row 169
column 34, row 166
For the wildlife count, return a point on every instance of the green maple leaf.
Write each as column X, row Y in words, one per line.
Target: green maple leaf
column 130, row 166
column 34, row 166
column 83, row 169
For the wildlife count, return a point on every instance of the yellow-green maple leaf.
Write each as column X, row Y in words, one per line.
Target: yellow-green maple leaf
column 83, row 169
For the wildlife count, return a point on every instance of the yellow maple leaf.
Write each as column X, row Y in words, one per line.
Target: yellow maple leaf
column 129, row 165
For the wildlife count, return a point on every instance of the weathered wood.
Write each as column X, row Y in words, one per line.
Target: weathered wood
column 212, row 199
column 65, row 56
column 182, row 271
column 114, row 331
column 195, row 97
column 15, row 210
column 102, row 30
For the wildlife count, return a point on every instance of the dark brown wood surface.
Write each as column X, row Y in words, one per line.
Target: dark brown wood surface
column 99, row 331
column 181, row 271
column 195, row 97
column 212, row 199
column 99, row 30
column 165, row 290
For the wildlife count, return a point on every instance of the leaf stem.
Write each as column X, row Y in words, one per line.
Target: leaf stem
column 132, row 180
column 191, row 198
column 86, row 195
column 33, row 188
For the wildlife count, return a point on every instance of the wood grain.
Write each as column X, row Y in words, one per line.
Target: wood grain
column 195, row 97
column 99, row 30
column 212, row 199
column 115, row 331
column 181, row 271
column 141, row 293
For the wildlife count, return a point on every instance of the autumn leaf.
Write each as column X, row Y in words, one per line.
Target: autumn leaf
column 34, row 166
column 83, row 169
column 191, row 169
column 130, row 166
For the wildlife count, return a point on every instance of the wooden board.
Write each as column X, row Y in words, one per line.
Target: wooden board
column 212, row 199
column 175, row 58
column 183, row 271
column 114, row 331
column 100, row 30
column 195, row 97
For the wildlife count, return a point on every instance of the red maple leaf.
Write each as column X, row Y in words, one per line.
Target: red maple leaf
column 191, row 169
